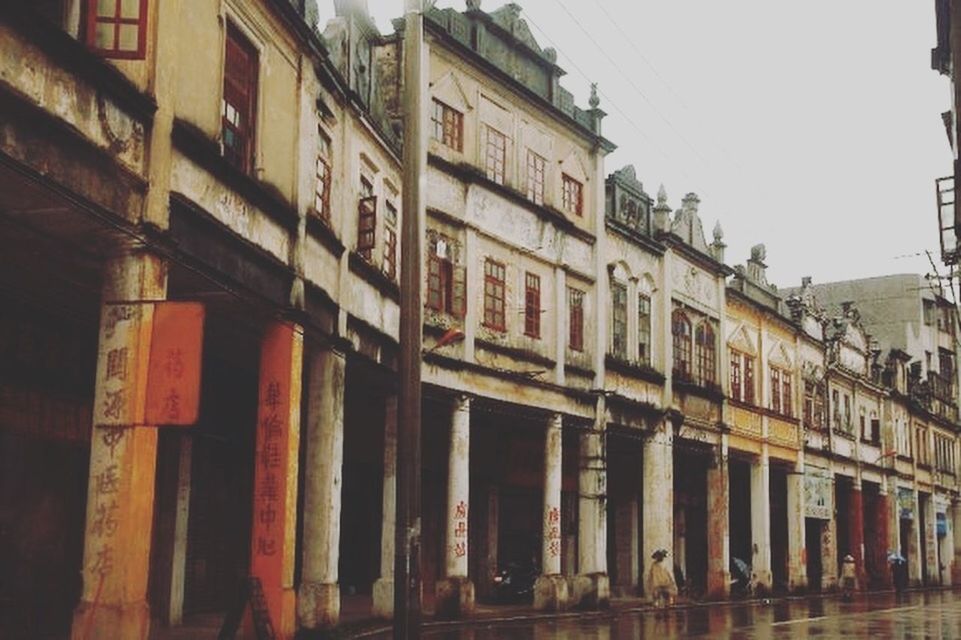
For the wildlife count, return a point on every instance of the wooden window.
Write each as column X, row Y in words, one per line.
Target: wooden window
column 496, row 155
column 447, row 126
column 836, row 408
column 619, row 320
column 749, row 379
column 535, row 177
column 575, row 304
column 572, row 196
column 875, row 430
column 366, row 220
column 775, row 390
column 681, row 332
column 532, row 305
column 706, row 354
column 117, row 28
column 818, row 418
column 390, row 241
column 848, row 425
column 322, row 180
column 787, row 402
column 644, row 329
column 807, row 409
column 446, row 281
column 239, row 106
column 494, row 316
column 737, row 386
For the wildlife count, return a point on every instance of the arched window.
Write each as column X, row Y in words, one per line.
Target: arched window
column 706, row 354
column 681, row 330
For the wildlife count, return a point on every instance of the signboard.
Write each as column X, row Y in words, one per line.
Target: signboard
column 818, row 494
column 906, row 503
column 173, row 371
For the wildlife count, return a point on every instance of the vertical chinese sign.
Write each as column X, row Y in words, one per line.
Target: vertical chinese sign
column 275, row 474
column 173, row 375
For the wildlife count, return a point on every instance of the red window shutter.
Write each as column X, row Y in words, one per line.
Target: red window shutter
column 459, row 292
column 116, row 28
column 434, row 299
column 239, row 107
column 366, row 226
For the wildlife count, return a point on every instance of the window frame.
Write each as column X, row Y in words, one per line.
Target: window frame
column 447, row 125
column 619, row 319
column 775, row 380
column 322, row 182
column 532, row 305
column 495, row 279
column 536, row 166
column 242, row 156
column 735, row 380
column 367, row 227
column 575, row 329
column 390, row 240
column 682, row 347
column 644, row 331
column 495, row 155
column 705, row 358
column 572, row 195
column 92, row 18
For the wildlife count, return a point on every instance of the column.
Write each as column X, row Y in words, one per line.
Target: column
column 855, row 517
column 273, row 536
column 318, row 599
column 384, row 586
column 930, row 538
column 718, row 523
column 123, row 456
column 455, row 591
column 955, row 518
column 550, row 590
column 761, row 520
column 915, row 560
column 178, row 556
column 829, row 554
column 796, row 544
column 882, row 531
column 591, row 585
column 658, row 496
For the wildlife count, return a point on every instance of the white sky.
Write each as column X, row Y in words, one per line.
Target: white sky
column 813, row 127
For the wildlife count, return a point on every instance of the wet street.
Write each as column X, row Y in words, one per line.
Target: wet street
column 919, row 615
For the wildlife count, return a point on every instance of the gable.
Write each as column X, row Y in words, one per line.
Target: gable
column 449, row 90
column 573, row 165
column 779, row 357
column 742, row 340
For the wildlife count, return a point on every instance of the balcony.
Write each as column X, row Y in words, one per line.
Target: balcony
column 947, row 219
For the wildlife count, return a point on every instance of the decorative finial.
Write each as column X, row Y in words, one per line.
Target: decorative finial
column 718, row 232
column 473, row 5
column 594, row 101
column 551, row 54
column 661, row 196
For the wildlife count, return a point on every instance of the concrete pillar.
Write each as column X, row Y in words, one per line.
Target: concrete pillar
column 273, row 535
column 123, row 457
column 550, row 590
column 178, row 556
column 947, row 549
column 384, row 586
column 761, row 520
column 855, row 517
column 931, row 538
column 658, row 495
column 796, row 544
column 591, row 586
column 882, row 532
column 955, row 518
column 718, row 523
column 318, row 599
column 455, row 591
column 829, row 554
column 915, row 560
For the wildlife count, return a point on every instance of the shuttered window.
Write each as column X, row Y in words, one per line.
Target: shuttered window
column 366, row 226
column 494, row 316
column 117, row 28
column 532, row 305
column 239, row 106
column 575, row 303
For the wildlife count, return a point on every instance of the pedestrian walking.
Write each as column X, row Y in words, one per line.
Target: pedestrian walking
column 660, row 581
column 899, row 572
column 848, row 577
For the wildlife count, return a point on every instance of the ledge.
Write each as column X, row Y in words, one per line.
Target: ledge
column 713, row 392
column 516, row 352
column 322, row 232
column 195, row 144
column 633, row 369
column 373, row 276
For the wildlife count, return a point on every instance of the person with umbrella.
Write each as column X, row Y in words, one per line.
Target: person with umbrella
column 848, row 577
column 899, row 571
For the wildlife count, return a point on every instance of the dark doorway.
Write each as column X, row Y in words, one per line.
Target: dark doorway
column 842, row 502
column 779, row 541
column 813, row 530
column 923, row 528
column 740, row 511
column 623, row 511
column 690, row 516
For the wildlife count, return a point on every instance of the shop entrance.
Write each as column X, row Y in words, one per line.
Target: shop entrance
column 690, row 516
column 779, row 526
column 813, row 531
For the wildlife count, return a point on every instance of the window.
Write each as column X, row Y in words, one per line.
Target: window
column 535, row 177
column 496, row 155
column 807, row 409
column 532, row 305
column 322, row 181
column 117, row 28
column 706, row 354
column 787, row 401
column 819, row 408
column 875, row 430
column 863, row 423
column 447, row 126
column 737, row 386
column 572, row 196
column 848, row 425
column 575, row 305
column 644, row 329
column 446, row 281
column 619, row 320
column 239, row 106
column 390, row 241
column 494, row 316
column 366, row 220
column 748, row 379
column 836, row 408
column 928, row 312
column 775, row 390
column 681, row 332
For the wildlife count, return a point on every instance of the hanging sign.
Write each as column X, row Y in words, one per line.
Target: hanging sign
column 906, row 503
column 173, row 371
column 818, row 494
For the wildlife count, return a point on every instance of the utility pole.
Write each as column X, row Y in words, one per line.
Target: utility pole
column 407, row 584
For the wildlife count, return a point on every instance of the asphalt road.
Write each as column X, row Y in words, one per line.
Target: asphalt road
column 934, row 615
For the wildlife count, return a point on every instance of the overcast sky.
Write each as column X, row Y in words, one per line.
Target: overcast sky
column 812, row 127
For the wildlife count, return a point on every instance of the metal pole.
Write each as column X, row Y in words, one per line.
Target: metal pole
column 407, row 584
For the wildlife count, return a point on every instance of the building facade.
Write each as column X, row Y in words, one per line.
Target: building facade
column 598, row 383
